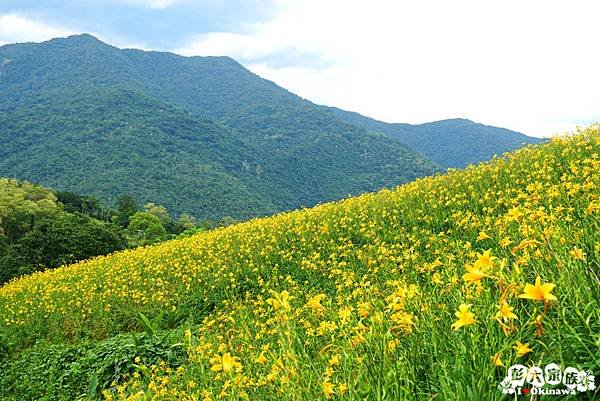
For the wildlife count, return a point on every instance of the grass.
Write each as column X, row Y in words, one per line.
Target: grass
column 348, row 300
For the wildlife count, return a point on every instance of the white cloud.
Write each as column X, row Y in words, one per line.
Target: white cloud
column 16, row 28
column 530, row 66
column 152, row 4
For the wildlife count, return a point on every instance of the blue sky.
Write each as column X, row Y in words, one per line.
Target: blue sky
column 531, row 66
column 160, row 24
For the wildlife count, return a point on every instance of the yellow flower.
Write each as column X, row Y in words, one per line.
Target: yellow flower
column 363, row 309
column 261, row 358
column 578, row 253
column 515, row 213
column 497, row 359
column 484, row 260
column 505, row 312
column 539, row 291
column 524, row 244
column 474, row 275
column 280, row 301
column 334, row 360
column 404, row 320
column 314, row 303
column 225, row 363
column 482, row 236
column 437, row 263
column 465, row 317
column 436, row 278
column 522, row 349
column 345, row 314
column 504, row 242
column 328, row 388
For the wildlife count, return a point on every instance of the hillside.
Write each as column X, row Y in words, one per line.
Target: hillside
column 80, row 115
column 450, row 143
column 427, row 291
column 116, row 141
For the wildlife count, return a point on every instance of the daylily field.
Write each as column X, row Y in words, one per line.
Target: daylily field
column 429, row 291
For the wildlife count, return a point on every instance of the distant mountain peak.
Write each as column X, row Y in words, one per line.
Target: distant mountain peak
column 453, row 142
column 83, row 36
column 79, row 39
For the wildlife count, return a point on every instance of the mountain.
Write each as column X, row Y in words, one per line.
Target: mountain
column 198, row 134
column 450, row 143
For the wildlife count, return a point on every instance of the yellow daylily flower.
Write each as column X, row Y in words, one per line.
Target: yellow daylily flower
column 465, row 317
column 539, row 291
column 522, row 349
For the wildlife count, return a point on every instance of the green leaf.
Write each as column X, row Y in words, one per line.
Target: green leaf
column 93, row 387
column 147, row 325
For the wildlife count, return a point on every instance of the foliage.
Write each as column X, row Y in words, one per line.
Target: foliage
column 452, row 143
column 84, row 204
column 67, row 239
column 21, row 204
column 39, row 232
column 126, row 207
column 401, row 295
column 155, row 124
column 65, row 372
column 146, row 228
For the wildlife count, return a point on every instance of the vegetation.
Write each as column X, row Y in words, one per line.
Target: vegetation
column 454, row 143
column 41, row 229
column 151, row 124
column 426, row 291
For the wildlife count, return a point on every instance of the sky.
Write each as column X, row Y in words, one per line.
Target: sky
column 530, row 66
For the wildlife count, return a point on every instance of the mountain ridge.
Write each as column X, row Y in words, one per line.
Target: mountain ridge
column 439, row 140
column 288, row 151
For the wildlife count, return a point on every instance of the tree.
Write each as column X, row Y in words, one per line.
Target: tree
column 159, row 211
column 127, row 206
column 145, row 228
column 86, row 204
column 21, row 204
column 57, row 240
column 187, row 221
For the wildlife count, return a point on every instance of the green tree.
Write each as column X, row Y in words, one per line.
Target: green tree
column 85, row 204
column 67, row 239
column 21, row 204
column 159, row 211
column 145, row 228
column 187, row 221
column 127, row 206
column 57, row 240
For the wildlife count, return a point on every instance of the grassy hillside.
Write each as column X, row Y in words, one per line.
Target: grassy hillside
column 452, row 143
column 201, row 135
column 421, row 292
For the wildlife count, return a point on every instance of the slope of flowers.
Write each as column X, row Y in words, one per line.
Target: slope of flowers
column 429, row 290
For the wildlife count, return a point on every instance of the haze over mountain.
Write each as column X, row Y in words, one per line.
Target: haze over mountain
column 201, row 134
